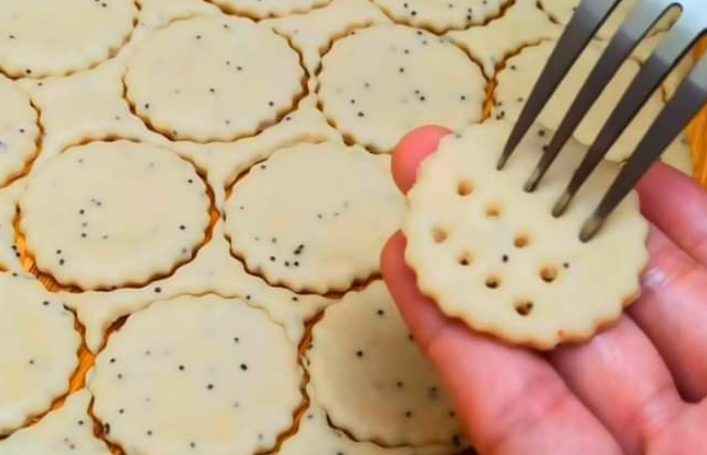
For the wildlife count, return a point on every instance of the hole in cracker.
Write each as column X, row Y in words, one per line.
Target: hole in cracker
column 524, row 307
column 493, row 282
column 465, row 259
column 521, row 241
column 548, row 273
column 439, row 235
column 493, row 211
column 464, row 187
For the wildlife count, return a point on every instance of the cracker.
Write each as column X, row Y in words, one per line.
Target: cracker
column 269, row 8
column 40, row 40
column 19, row 132
column 516, row 81
column 37, row 350
column 402, row 78
column 65, row 431
column 493, row 255
column 441, row 16
column 220, row 378
column 204, row 79
column 110, row 214
column 371, row 377
column 314, row 217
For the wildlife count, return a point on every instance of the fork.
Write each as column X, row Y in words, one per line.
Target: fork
column 677, row 113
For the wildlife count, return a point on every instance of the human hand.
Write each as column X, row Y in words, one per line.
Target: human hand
column 639, row 387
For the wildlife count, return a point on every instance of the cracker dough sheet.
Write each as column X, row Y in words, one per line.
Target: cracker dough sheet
column 194, row 195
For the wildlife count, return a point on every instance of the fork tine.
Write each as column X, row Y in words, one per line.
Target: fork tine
column 590, row 15
column 655, row 70
column 637, row 25
column 680, row 110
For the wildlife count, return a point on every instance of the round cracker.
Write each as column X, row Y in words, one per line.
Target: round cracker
column 40, row 40
column 213, row 79
column 110, row 214
column 220, row 378
column 269, row 8
column 38, row 350
column 516, row 82
column 314, row 217
column 371, row 377
column 379, row 83
column 441, row 16
column 493, row 255
column 19, row 132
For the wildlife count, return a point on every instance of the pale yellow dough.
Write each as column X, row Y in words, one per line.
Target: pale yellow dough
column 314, row 217
column 38, row 350
column 371, row 377
column 516, row 81
column 269, row 8
column 379, row 83
column 65, row 431
column 205, row 79
column 493, row 255
column 44, row 39
column 19, row 132
column 109, row 214
column 198, row 375
column 440, row 16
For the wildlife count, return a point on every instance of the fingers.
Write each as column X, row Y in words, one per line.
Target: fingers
column 673, row 313
column 511, row 400
column 621, row 378
column 412, row 150
column 678, row 206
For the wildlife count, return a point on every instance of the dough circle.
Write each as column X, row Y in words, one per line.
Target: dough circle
column 441, row 16
column 379, row 83
column 314, row 217
column 371, row 377
column 219, row 378
column 213, row 79
column 110, row 214
column 19, row 132
column 493, row 255
column 38, row 350
column 269, row 8
column 40, row 39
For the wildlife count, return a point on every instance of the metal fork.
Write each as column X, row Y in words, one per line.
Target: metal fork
column 679, row 111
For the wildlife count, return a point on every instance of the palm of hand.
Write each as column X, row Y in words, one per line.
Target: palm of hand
column 639, row 387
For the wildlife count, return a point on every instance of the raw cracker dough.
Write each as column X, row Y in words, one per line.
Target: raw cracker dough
column 65, row 431
column 379, row 83
column 38, row 350
column 220, row 378
column 440, row 16
column 493, row 255
column 19, row 132
column 204, row 79
column 41, row 39
column 521, row 72
column 76, row 209
column 371, row 377
column 314, row 217
column 269, row 8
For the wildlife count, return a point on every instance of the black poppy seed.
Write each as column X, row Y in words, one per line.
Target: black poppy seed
column 158, row 289
column 236, row 339
column 381, row 312
column 468, row 17
column 106, row 428
column 28, row 71
column 210, row 387
column 513, row 67
column 399, row 384
column 120, row 376
column 190, row 181
column 287, row 263
column 360, row 114
column 319, row 215
column 181, row 367
column 239, row 68
column 58, row 251
column 117, row 117
column 422, row 98
column 147, row 105
column 121, row 411
column 31, row 361
column 541, row 133
column 149, row 432
column 182, row 227
column 248, row 297
column 359, row 353
column 212, row 90
column 433, row 392
column 271, row 103
column 22, row 130
column 463, row 98
column 411, row 338
column 407, row 51
column 112, row 360
column 184, row 251
column 17, row 254
column 192, row 444
column 296, row 263
column 504, row 258
column 61, row 262
column 225, row 26
column 14, row 274
column 366, row 84
column 84, row 224
column 148, row 352
column 80, row 422
column 566, row 265
column 272, row 258
column 401, row 70
column 40, row 84
column 14, row 247
column 198, row 36
column 244, row 367
column 545, row 148
column 405, row 5
column 424, row 42
column 12, row 36
column 273, row 240
column 82, row 211
column 408, row 414
column 83, row 235
column 520, row 99
column 262, row 166
column 452, row 413
column 295, row 299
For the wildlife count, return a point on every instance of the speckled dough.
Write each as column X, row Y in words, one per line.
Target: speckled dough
column 493, row 255
column 516, row 81
column 220, row 378
column 65, row 431
column 213, row 79
column 40, row 39
column 113, row 213
column 38, row 350
column 269, row 8
column 379, row 83
column 314, row 217
column 440, row 16
column 18, row 130
column 371, row 377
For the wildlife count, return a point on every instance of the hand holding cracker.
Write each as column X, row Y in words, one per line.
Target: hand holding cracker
column 637, row 387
